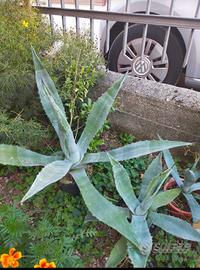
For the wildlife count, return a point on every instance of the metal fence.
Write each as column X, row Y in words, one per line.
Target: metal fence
column 146, row 19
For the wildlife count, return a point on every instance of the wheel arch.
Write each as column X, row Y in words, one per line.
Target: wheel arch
column 118, row 27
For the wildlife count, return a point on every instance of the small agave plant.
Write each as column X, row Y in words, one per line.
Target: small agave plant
column 74, row 155
column 188, row 186
column 134, row 221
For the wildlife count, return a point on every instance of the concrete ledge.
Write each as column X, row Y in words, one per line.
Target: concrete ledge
column 145, row 109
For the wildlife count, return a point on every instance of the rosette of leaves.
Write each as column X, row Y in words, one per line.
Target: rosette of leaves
column 188, row 186
column 134, row 222
column 74, row 157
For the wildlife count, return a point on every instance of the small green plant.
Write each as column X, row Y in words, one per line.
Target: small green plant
column 13, row 227
column 126, row 138
column 134, row 222
column 21, row 132
column 188, row 186
column 43, row 240
column 75, row 69
column 172, row 252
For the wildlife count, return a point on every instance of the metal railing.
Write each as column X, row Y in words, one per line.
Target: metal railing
column 127, row 18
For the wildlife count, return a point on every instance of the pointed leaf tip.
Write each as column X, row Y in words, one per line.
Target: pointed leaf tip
column 36, row 60
column 47, row 176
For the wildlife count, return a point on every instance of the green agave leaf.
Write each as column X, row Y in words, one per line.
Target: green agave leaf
column 144, row 206
column 143, row 235
column 195, row 187
column 138, row 260
column 164, row 198
column 133, row 150
column 171, row 164
column 153, row 170
column 47, row 80
column 175, row 226
column 114, row 216
column 19, row 156
column 123, row 185
column 155, row 184
column 189, row 179
column 54, row 109
column 194, row 207
column 118, row 253
column 48, row 175
column 98, row 115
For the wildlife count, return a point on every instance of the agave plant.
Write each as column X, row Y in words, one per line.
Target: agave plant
column 134, row 221
column 188, row 186
column 74, row 155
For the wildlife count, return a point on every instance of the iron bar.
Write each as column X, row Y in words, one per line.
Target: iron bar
column 179, row 22
column 125, row 37
column 77, row 18
column 62, row 3
column 144, row 37
column 92, row 21
column 191, row 37
column 108, row 27
column 166, row 41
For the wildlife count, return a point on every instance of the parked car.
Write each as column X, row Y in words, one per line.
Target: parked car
column 150, row 65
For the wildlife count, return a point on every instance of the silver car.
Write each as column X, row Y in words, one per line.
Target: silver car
column 150, row 65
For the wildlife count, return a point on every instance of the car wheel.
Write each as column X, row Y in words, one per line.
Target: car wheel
column 150, row 65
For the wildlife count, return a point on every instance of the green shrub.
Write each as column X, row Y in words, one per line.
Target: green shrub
column 24, row 133
column 19, row 28
column 75, row 69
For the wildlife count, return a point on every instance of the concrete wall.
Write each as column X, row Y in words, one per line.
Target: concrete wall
column 145, row 109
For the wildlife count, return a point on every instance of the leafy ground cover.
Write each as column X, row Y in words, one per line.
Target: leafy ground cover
column 64, row 222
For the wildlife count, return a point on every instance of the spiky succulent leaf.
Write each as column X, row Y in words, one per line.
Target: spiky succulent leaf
column 133, row 150
column 48, row 175
column 194, row 207
column 194, row 167
column 137, row 258
column 155, row 184
column 189, row 179
column 143, row 235
column 123, row 185
column 114, row 216
column 54, row 109
column 196, row 171
column 154, row 169
column 175, row 226
column 165, row 197
column 144, row 206
column 19, row 156
column 194, row 187
column 98, row 115
column 118, row 253
column 171, row 164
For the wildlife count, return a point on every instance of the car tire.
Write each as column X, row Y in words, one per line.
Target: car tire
column 156, row 35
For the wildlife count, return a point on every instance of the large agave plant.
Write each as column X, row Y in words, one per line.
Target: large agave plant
column 74, row 157
column 188, row 186
column 134, row 221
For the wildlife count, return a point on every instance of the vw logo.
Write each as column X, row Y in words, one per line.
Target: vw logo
column 141, row 66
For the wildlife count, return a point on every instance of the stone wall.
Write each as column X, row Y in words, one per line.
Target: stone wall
column 146, row 108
